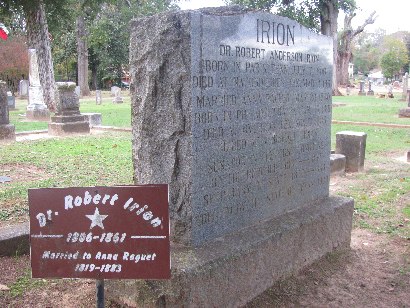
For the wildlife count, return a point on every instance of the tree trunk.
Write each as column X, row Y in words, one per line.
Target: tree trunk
column 344, row 58
column 82, row 52
column 345, row 46
column 38, row 38
column 328, row 26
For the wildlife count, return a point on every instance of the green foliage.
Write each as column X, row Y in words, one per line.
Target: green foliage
column 307, row 13
column 24, row 283
column 395, row 58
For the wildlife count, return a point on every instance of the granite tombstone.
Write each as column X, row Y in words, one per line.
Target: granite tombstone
column 117, row 95
column 405, row 86
column 98, row 97
column 361, row 90
column 23, row 88
column 11, row 100
column 7, row 130
column 36, row 109
column 232, row 108
column 68, row 119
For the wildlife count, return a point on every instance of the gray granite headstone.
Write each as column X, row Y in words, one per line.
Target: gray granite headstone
column 7, row 130
column 23, row 88
column 232, row 108
column 117, row 95
column 36, row 109
column 405, row 86
column 11, row 100
column 235, row 115
column 98, row 98
column 370, row 92
column 78, row 91
column 68, row 119
column 361, row 90
column 114, row 90
column 4, row 109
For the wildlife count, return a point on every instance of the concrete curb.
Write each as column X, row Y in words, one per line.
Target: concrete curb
column 14, row 240
column 371, row 124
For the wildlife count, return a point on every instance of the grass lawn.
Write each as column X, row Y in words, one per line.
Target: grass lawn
column 103, row 159
column 369, row 109
column 112, row 114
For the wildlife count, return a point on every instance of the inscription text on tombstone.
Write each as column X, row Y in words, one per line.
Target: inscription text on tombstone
column 261, row 112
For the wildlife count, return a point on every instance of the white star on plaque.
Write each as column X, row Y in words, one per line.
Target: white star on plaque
column 96, row 219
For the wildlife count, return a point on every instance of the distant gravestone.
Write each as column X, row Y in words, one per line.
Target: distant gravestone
column 361, row 90
column 7, row 130
column 408, row 156
column 11, row 101
column 23, row 88
column 98, row 98
column 370, row 92
column 117, row 96
column 233, row 110
column 78, row 91
column 68, row 119
column 95, row 119
column 405, row 86
column 353, row 146
column 405, row 112
column 114, row 90
column 36, row 109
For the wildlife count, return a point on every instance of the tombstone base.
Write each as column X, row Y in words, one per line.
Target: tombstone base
column 67, row 125
column 234, row 269
column 38, row 115
column 370, row 93
column 117, row 100
column 95, row 119
column 337, row 164
column 404, row 113
column 362, row 93
column 7, row 132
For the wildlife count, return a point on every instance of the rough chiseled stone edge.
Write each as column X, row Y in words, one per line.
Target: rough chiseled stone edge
column 160, row 53
column 231, row 270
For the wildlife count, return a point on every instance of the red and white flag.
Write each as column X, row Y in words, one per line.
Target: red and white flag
column 4, row 33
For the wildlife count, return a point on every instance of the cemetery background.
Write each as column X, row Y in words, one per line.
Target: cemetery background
column 377, row 269
column 402, row 180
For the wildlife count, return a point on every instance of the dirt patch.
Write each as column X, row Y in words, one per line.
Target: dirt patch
column 22, row 173
column 375, row 273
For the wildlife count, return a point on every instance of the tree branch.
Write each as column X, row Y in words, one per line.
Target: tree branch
column 370, row 20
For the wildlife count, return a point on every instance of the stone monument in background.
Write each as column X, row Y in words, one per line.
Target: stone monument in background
column 23, row 88
column 232, row 108
column 405, row 112
column 405, row 86
column 117, row 95
column 36, row 109
column 361, row 90
column 7, row 130
column 98, row 97
column 68, row 119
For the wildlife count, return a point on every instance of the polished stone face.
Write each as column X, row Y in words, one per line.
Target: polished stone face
column 261, row 114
